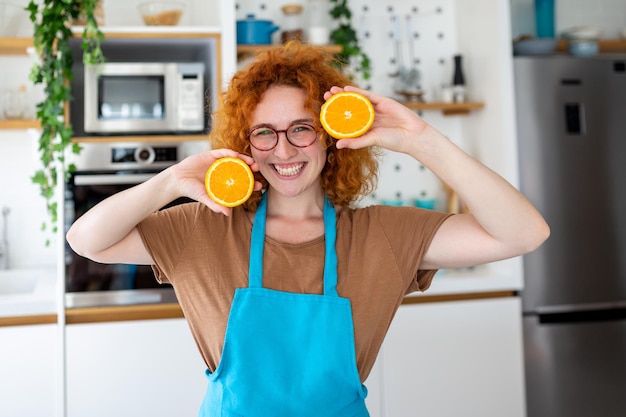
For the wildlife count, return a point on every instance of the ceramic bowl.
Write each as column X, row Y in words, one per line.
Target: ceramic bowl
column 536, row 46
column 582, row 33
column 583, row 47
column 161, row 13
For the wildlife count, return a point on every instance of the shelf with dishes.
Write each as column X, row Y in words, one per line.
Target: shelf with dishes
column 14, row 46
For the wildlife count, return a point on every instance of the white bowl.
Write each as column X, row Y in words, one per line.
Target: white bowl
column 583, row 33
column 583, row 47
column 161, row 13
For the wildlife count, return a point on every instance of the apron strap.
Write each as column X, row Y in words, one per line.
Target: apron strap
column 257, row 243
column 255, row 272
column 330, row 261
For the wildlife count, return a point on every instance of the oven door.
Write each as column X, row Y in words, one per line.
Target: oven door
column 90, row 283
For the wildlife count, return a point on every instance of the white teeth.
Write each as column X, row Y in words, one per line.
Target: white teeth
column 290, row 170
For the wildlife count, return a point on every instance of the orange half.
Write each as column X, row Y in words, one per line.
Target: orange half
column 347, row 115
column 229, row 181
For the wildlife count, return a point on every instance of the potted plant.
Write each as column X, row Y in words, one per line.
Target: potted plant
column 351, row 56
column 52, row 20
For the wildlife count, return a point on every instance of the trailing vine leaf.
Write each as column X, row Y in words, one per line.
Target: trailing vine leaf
column 51, row 37
column 351, row 56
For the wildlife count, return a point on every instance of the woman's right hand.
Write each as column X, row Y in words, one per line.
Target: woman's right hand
column 189, row 176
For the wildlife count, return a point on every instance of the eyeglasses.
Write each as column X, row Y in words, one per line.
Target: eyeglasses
column 299, row 135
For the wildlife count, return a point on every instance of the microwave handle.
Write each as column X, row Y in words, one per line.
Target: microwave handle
column 111, row 179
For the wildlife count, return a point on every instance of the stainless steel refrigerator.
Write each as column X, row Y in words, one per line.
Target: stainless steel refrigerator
column 571, row 118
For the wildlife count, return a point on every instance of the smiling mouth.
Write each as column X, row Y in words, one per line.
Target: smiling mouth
column 288, row 170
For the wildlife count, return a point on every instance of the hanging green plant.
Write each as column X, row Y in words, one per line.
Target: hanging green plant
column 52, row 21
column 351, row 56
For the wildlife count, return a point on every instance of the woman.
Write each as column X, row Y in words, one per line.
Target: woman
column 289, row 296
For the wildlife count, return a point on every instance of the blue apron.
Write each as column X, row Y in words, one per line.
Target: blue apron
column 287, row 354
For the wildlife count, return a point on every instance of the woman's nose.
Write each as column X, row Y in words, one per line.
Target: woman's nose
column 283, row 147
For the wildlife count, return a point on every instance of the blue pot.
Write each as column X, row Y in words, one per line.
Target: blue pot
column 253, row 31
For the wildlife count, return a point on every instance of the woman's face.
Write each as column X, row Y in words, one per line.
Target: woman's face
column 289, row 170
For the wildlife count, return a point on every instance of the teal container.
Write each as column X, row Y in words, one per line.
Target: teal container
column 544, row 18
column 425, row 203
column 394, row 202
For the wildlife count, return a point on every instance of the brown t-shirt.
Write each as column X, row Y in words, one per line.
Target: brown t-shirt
column 204, row 255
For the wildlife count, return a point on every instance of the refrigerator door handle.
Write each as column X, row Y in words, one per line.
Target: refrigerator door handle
column 582, row 312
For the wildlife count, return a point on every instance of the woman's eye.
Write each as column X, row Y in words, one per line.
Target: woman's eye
column 263, row 132
column 301, row 128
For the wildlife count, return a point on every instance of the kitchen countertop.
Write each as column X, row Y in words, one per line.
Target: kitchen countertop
column 32, row 292
column 28, row 292
column 497, row 276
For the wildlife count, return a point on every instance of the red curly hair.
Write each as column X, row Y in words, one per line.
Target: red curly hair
column 347, row 174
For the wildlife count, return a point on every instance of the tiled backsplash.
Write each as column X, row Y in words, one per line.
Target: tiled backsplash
column 607, row 15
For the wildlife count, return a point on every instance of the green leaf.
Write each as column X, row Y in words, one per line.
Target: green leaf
column 346, row 36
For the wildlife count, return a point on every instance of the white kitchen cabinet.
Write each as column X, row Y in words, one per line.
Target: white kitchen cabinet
column 133, row 368
column 457, row 358
column 28, row 370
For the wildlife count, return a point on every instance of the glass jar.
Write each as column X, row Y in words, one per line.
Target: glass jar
column 14, row 102
column 292, row 23
column 318, row 30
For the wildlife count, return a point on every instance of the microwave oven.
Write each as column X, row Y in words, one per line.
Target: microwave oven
column 144, row 98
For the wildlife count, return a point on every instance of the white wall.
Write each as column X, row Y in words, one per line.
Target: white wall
column 608, row 15
column 19, row 160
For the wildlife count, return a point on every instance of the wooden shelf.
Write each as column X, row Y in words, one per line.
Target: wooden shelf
column 246, row 50
column 448, row 109
column 147, row 138
column 8, row 124
column 15, row 46
column 605, row 46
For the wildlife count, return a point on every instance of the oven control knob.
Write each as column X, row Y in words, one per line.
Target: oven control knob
column 144, row 155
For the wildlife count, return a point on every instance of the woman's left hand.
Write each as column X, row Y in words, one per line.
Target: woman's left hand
column 395, row 126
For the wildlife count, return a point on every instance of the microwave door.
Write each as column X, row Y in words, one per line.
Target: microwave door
column 130, row 98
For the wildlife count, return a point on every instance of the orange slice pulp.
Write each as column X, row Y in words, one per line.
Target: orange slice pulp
column 347, row 115
column 229, row 181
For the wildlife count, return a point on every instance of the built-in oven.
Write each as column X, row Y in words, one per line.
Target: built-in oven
column 104, row 169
